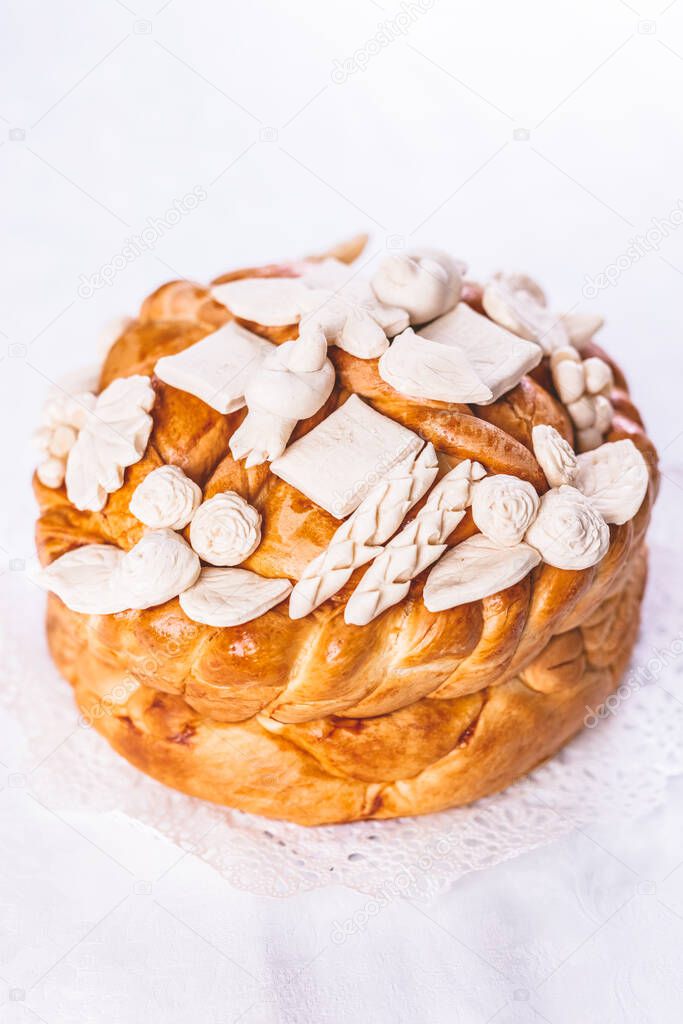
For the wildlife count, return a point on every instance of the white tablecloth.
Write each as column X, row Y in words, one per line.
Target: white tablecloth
column 143, row 141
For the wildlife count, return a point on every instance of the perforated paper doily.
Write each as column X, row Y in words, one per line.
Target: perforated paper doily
column 620, row 766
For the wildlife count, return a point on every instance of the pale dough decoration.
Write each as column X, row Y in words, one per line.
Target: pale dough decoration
column 62, row 441
column 569, row 532
column 504, row 507
column 476, row 569
column 338, row 463
column 585, row 386
column 157, row 569
column 357, row 540
column 166, row 498
column 416, row 547
column 226, row 529
column 292, row 383
column 85, row 579
column 218, row 368
column 51, row 472
column 581, row 327
column 598, row 375
column 615, row 479
column 516, row 302
column 328, row 295
column 422, row 368
column 114, row 435
column 498, row 357
column 230, row 597
column 348, row 311
column 357, row 462
column 568, row 375
column 63, row 417
column 554, row 455
column 270, row 301
column 100, row 579
column 426, row 283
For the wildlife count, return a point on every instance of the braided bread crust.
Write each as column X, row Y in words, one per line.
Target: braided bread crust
column 315, row 720
column 425, row 757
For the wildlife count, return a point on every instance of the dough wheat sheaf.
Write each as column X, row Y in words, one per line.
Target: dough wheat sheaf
column 345, row 569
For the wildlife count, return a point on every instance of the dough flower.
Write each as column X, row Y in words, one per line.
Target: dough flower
column 63, row 417
column 114, row 436
column 225, row 530
column 166, row 498
column 569, row 532
column 504, row 507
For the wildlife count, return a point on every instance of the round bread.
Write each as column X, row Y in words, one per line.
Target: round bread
column 314, row 720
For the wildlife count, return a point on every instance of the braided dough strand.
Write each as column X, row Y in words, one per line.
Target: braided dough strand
column 416, row 547
column 357, row 540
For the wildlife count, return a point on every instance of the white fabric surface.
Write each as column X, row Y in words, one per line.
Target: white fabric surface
column 525, row 136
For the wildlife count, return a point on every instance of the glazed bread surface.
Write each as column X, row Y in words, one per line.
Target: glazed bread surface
column 314, row 720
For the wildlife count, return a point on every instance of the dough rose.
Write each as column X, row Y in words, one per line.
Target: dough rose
column 166, row 498
column 504, row 507
column 225, row 530
column 569, row 532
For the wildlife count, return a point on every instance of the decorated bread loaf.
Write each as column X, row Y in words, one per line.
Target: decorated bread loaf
column 324, row 546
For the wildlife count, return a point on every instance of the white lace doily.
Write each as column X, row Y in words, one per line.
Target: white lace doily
column 619, row 767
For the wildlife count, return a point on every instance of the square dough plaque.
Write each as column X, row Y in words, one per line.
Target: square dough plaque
column 497, row 355
column 339, row 462
column 217, row 368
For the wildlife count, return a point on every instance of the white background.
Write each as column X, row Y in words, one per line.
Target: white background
column 526, row 135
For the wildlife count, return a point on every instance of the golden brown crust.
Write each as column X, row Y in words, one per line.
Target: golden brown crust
column 315, row 720
column 425, row 757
